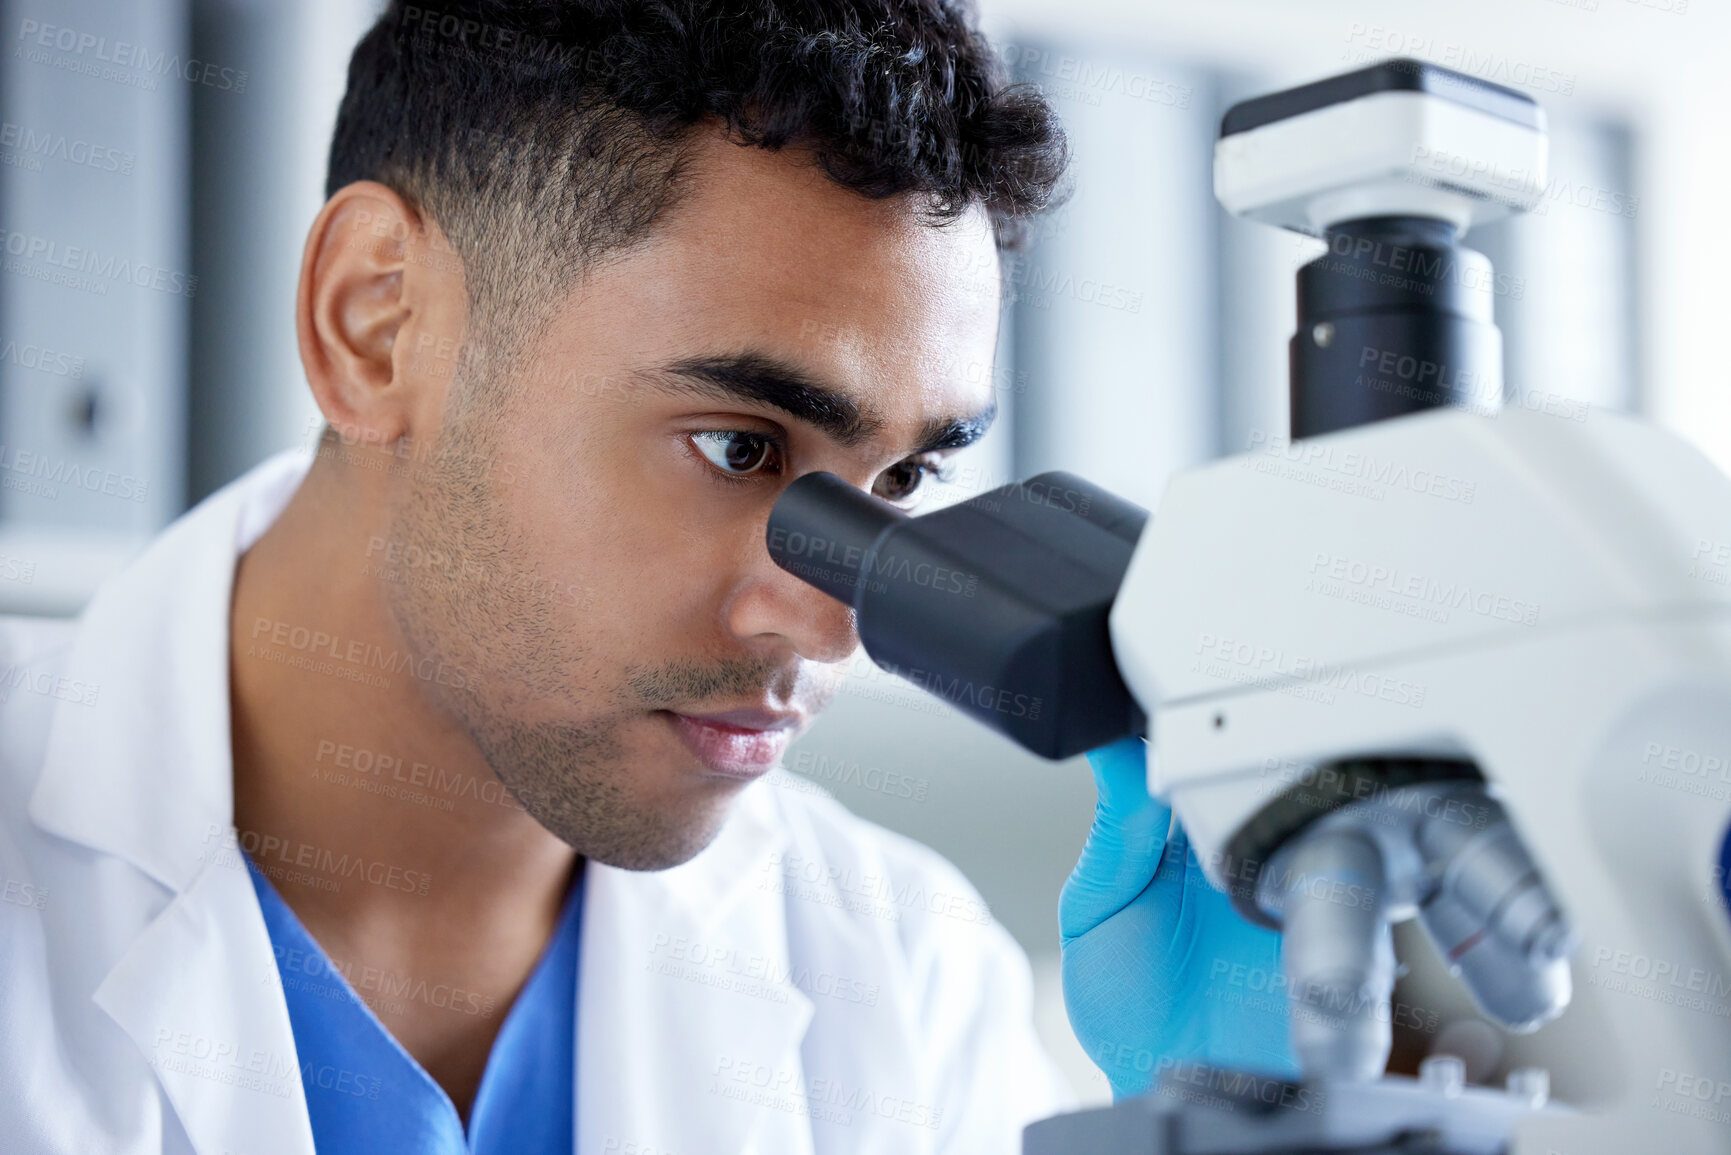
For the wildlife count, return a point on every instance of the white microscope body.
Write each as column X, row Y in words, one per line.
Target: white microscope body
column 1566, row 630
column 1466, row 664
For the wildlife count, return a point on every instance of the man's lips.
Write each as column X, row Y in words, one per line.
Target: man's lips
column 744, row 743
column 750, row 718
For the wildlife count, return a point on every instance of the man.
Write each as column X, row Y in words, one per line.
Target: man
column 402, row 798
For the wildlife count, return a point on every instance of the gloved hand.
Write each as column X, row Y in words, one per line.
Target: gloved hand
column 1158, row 967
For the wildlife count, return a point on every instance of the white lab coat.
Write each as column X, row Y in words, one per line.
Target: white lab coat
column 809, row 983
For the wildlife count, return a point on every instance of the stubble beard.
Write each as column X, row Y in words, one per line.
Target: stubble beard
column 516, row 651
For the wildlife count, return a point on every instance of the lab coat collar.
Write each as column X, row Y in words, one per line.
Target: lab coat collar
column 146, row 771
column 199, row 995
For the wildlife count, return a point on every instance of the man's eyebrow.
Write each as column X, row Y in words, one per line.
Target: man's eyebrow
column 956, row 432
column 764, row 380
column 757, row 378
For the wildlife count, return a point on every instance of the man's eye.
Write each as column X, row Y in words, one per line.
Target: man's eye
column 736, row 452
column 902, row 480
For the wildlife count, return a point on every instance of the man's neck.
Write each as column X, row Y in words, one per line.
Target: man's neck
column 372, row 812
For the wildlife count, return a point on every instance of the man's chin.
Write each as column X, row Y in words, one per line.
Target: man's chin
column 647, row 833
column 630, row 796
column 666, row 848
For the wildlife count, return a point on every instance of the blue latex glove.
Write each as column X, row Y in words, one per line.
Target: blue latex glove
column 1158, row 967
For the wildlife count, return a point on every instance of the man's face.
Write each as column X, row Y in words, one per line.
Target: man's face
column 630, row 655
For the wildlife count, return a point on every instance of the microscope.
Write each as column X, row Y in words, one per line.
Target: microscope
column 1465, row 663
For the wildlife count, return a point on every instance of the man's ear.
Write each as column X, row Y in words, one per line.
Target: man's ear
column 359, row 289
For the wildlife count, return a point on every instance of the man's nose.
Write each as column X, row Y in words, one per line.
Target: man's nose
column 773, row 605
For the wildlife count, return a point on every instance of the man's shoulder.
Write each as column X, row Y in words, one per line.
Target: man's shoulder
column 863, row 900
column 872, row 869
column 817, row 821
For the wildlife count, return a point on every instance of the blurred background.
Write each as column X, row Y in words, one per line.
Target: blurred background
column 180, row 145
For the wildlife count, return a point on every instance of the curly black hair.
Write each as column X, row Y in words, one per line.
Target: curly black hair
column 541, row 134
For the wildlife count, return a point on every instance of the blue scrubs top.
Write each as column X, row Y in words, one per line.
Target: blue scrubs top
column 365, row 1093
